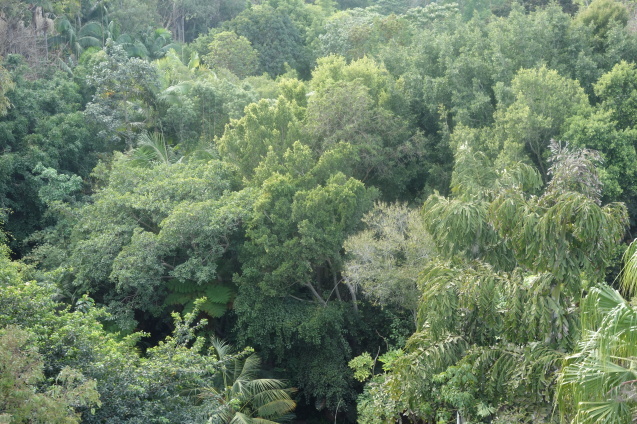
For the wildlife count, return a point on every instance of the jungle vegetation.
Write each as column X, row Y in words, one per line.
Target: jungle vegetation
column 373, row 211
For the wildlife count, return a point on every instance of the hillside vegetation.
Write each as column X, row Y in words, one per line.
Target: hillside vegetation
column 373, row 211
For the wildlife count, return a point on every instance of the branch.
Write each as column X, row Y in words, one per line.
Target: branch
column 335, row 279
column 299, row 299
column 352, row 291
column 315, row 293
column 167, row 265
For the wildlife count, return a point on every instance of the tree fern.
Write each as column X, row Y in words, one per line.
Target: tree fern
column 217, row 296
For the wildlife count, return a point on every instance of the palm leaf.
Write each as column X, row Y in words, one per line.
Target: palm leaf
column 222, row 348
column 250, row 399
column 629, row 272
column 240, row 418
column 275, row 408
column 91, row 29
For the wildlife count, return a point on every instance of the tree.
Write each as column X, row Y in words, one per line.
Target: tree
column 264, row 127
column 22, row 371
column 76, row 40
column 59, row 362
column 385, row 259
column 600, row 132
column 134, row 17
column 43, row 126
column 356, row 33
column 601, row 15
column 609, row 129
column 187, row 19
column 618, row 94
column 21, row 25
column 125, row 95
column 543, row 102
column 274, row 36
column 597, row 383
column 194, row 104
column 510, row 260
column 234, row 53
column 247, row 398
column 152, row 231
column 360, row 104
column 291, row 302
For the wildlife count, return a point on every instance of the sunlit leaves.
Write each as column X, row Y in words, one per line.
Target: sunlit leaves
column 264, row 126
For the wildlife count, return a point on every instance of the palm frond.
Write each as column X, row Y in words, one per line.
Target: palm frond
column 250, row 369
column 152, row 150
column 222, row 348
column 249, row 399
column 276, row 408
column 629, row 272
column 598, row 383
column 240, row 418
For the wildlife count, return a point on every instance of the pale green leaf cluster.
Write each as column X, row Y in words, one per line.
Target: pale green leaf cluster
column 386, row 258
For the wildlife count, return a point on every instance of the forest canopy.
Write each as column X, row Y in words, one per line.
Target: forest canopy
column 268, row 211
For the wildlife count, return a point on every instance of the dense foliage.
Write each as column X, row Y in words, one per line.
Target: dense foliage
column 394, row 209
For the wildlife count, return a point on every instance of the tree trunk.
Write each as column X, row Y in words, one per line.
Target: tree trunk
column 315, row 294
column 352, row 291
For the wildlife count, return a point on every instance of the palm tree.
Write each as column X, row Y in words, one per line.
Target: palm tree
column 158, row 42
column 89, row 35
column 599, row 382
column 153, row 150
column 245, row 398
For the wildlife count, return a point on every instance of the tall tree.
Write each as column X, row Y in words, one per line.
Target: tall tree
column 234, row 53
column 125, row 95
column 153, row 231
column 291, row 303
column 511, row 261
column 543, row 102
column 385, row 259
column 275, row 36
